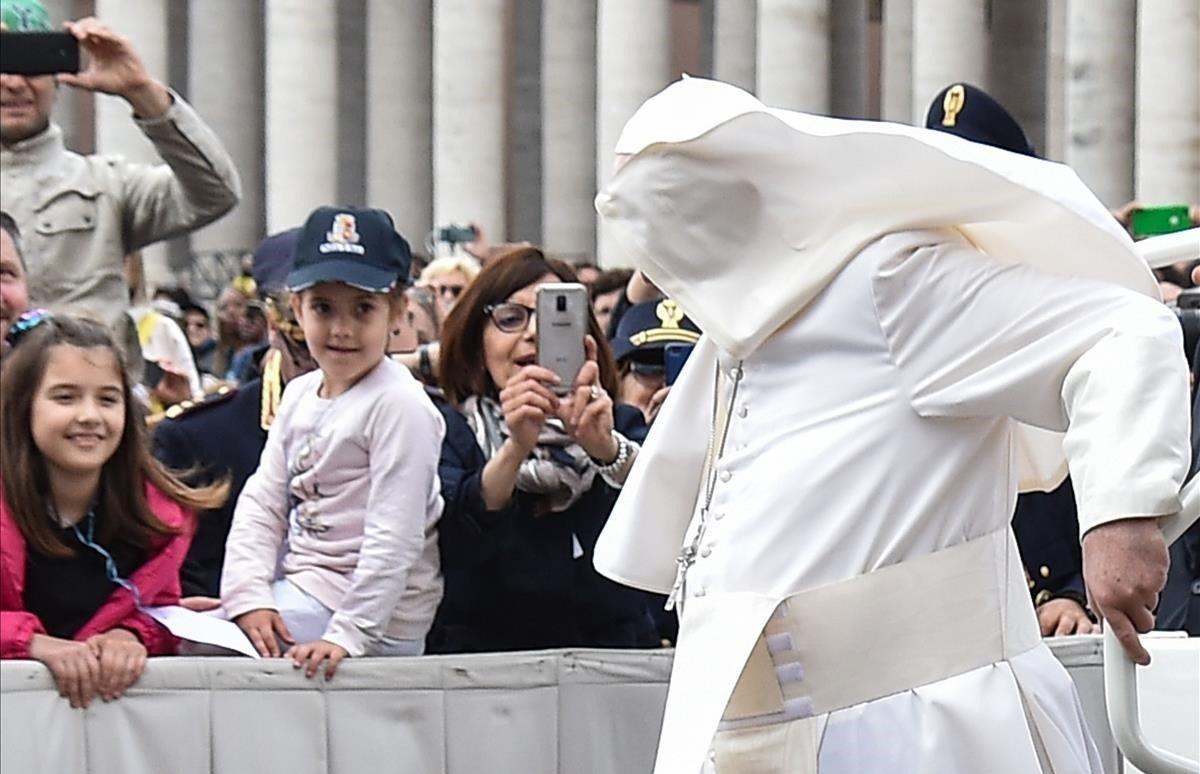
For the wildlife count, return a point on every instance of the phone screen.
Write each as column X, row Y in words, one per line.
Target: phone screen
column 674, row 356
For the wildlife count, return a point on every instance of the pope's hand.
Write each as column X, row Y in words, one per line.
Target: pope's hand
column 1124, row 568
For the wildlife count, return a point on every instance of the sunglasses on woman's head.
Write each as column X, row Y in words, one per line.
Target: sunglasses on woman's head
column 509, row 316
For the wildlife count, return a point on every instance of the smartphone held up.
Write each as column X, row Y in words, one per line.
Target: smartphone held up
column 38, row 53
column 562, row 316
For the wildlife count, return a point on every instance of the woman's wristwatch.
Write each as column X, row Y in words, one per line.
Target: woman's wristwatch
column 623, row 452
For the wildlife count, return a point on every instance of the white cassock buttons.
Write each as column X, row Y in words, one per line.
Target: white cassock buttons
column 725, row 476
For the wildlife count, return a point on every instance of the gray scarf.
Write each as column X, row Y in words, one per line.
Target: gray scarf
column 558, row 469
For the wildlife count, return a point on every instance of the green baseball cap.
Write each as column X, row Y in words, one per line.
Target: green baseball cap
column 24, row 16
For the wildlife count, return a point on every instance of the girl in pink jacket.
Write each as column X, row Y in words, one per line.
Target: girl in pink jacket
column 92, row 528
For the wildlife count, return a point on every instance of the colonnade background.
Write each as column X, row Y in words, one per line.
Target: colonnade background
column 506, row 111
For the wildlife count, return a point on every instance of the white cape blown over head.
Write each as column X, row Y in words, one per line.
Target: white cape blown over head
column 742, row 213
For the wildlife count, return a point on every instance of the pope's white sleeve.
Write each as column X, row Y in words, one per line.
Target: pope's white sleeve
column 971, row 336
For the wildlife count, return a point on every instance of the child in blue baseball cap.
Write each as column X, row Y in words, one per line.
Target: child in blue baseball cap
column 348, row 479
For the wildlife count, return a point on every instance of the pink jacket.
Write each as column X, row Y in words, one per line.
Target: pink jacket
column 157, row 580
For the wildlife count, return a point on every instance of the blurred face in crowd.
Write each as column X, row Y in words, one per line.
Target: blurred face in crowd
column 14, row 294
column 414, row 328
column 639, row 381
column 78, row 413
column 196, row 326
column 346, row 329
column 252, row 328
column 447, row 288
column 602, row 307
column 587, row 274
column 25, row 105
column 507, row 346
column 231, row 308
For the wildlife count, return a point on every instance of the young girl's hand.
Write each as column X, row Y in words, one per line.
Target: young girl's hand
column 74, row 665
column 122, row 660
column 262, row 626
column 311, row 654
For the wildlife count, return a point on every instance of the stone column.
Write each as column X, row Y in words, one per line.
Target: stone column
column 144, row 23
column 1168, row 102
column 633, row 53
column 897, row 100
column 794, row 54
column 848, row 73
column 569, row 126
column 301, row 109
column 1056, row 81
column 400, row 114
column 735, row 33
column 1099, row 95
column 469, row 89
column 227, row 91
column 1018, row 64
column 949, row 44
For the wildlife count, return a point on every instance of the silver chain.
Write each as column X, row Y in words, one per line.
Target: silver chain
column 687, row 555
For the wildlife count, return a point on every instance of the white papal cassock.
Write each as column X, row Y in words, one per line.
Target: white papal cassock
column 884, row 422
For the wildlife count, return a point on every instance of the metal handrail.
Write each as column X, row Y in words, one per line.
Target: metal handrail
column 1120, row 673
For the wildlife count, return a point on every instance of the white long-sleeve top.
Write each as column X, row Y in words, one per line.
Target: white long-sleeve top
column 347, row 489
column 875, row 427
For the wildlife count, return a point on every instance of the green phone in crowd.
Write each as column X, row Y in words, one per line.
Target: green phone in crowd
column 1150, row 221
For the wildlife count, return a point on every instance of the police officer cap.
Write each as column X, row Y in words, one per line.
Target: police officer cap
column 647, row 328
column 971, row 113
column 273, row 260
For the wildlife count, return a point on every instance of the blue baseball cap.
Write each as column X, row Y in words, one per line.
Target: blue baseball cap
column 356, row 246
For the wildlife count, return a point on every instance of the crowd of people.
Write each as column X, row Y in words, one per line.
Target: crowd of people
column 354, row 452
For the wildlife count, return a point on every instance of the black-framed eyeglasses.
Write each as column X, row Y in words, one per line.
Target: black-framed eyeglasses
column 510, row 316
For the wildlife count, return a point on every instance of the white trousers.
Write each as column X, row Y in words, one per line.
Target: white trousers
column 306, row 619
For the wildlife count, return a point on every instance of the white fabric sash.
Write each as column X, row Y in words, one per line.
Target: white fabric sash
column 980, row 615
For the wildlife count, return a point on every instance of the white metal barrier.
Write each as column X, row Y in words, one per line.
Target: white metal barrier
column 552, row 712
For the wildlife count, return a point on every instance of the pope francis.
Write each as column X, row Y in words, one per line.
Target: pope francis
column 902, row 330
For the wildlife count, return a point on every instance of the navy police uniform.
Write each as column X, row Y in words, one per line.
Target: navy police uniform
column 219, row 436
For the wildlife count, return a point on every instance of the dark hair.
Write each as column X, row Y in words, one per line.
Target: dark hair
column 9, row 225
column 607, row 282
column 197, row 308
column 177, row 294
column 128, row 517
column 461, row 370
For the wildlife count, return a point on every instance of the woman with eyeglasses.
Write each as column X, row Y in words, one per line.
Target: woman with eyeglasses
column 528, row 478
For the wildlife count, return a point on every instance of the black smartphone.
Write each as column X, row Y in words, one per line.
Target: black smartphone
column 674, row 356
column 38, row 53
column 456, row 234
